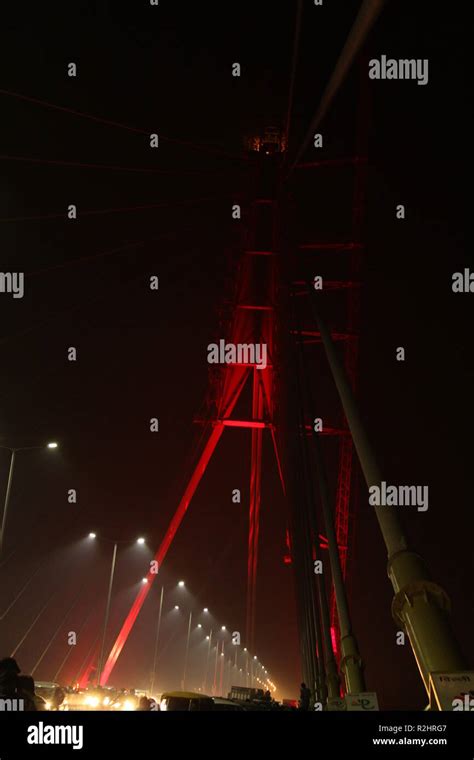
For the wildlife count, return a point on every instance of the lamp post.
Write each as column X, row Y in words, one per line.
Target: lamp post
column 51, row 445
column 187, row 650
column 109, row 599
column 214, row 686
column 222, row 669
column 207, row 660
column 155, row 654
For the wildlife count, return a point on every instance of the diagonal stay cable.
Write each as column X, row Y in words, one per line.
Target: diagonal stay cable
column 138, row 169
column 120, row 125
column 365, row 19
column 98, row 212
column 58, row 628
column 299, row 15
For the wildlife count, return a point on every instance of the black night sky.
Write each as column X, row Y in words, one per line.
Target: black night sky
column 142, row 354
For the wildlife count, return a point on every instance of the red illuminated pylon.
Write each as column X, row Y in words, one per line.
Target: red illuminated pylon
column 252, row 323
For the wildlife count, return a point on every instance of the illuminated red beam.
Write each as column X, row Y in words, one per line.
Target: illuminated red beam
column 317, row 335
column 251, row 307
column 332, row 162
column 330, row 246
column 162, row 551
column 327, row 285
column 245, row 423
column 328, row 430
column 260, row 253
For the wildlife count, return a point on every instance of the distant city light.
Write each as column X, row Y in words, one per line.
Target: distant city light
column 144, row 580
column 223, row 628
column 140, row 540
column 199, row 625
column 176, row 606
column 52, row 445
column 92, row 535
column 181, row 584
column 205, row 609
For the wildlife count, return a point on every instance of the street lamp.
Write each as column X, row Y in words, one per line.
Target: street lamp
column 13, row 451
column 187, row 650
column 155, row 654
column 209, row 639
column 107, row 607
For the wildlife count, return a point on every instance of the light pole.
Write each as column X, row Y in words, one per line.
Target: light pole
column 155, row 654
column 207, row 660
column 107, row 612
column 51, row 445
column 236, row 667
column 187, row 650
column 214, row 686
column 109, row 599
column 222, row 668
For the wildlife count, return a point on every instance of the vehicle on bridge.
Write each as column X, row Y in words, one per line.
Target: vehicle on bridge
column 52, row 694
column 185, row 701
column 245, row 693
column 227, row 705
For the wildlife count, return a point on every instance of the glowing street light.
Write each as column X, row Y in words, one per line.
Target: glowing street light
column 205, row 609
column 140, row 541
column 181, row 584
column 176, row 606
column 13, row 451
column 109, row 600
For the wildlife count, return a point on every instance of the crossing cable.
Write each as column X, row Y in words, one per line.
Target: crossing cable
column 296, row 40
column 120, row 125
column 308, row 404
column 99, row 212
column 58, row 628
column 137, row 169
column 70, row 649
column 365, row 19
column 313, row 638
column 301, row 371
